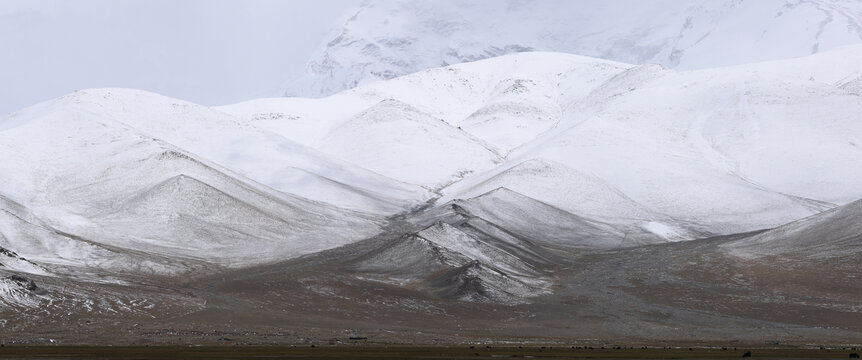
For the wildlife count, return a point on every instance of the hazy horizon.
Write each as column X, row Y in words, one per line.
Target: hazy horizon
column 209, row 52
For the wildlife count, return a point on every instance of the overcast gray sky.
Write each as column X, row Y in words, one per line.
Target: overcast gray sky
column 207, row 51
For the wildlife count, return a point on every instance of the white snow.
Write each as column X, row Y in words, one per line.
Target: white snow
column 90, row 164
column 664, row 231
column 709, row 151
column 398, row 141
column 384, row 39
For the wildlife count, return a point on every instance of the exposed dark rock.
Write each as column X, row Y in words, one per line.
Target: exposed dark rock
column 27, row 284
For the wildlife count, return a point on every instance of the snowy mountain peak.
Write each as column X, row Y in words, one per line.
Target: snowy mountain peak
column 385, row 39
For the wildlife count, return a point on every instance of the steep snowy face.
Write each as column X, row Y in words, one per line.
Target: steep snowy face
column 385, row 39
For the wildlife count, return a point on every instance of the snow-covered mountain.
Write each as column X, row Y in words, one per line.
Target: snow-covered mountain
column 569, row 150
column 680, row 153
column 384, row 39
column 94, row 179
column 525, row 185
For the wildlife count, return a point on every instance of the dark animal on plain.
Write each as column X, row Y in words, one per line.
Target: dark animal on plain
column 747, row 354
column 854, row 355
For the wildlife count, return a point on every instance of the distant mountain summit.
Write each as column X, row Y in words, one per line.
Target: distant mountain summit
column 385, row 39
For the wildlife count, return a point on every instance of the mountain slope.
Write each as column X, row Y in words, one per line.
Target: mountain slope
column 681, row 154
column 17, row 292
column 558, row 185
column 461, row 263
column 253, row 152
column 834, row 233
column 767, row 137
column 32, row 246
column 90, row 177
column 505, row 212
column 400, row 142
column 504, row 104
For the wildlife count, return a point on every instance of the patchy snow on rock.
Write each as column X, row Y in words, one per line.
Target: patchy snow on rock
column 464, row 263
column 837, row 232
column 9, row 260
column 19, row 292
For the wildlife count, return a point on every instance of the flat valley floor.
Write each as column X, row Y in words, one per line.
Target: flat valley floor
column 377, row 351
